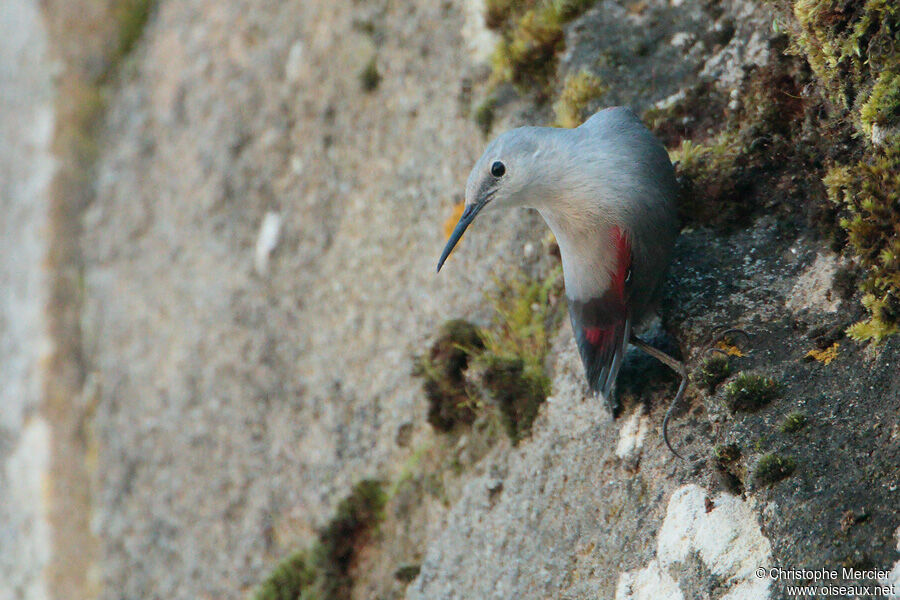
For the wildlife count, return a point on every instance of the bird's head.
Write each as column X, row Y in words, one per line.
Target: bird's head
column 506, row 175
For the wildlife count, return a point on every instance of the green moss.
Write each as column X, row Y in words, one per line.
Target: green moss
column 517, row 391
column 484, row 114
column 323, row 572
column 407, row 573
column 733, row 163
column 288, row 580
column 793, row 423
column 369, row 77
column 713, row 370
column 531, row 39
column 883, row 105
column 729, row 468
column 131, row 18
column 749, row 392
column 772, row 468
column 853, row 50
column 727, row 453
column 709, row 175
column 526, row 56
column 510, row 357
column 442, row 370
column 578, row 94
column 356, row 516
column 528, row 312
column 499, row 14
column 572, row 9
column 846, row 43
column 869, row 192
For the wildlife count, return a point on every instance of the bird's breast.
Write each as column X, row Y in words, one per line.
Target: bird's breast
column 595, row 256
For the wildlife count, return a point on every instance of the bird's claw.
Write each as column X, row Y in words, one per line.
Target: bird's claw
column 725, row 337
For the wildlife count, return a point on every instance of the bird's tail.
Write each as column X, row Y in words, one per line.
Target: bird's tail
column 606, row 383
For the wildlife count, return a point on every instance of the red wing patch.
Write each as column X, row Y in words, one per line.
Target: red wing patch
column 622, row 266
column 597, row 336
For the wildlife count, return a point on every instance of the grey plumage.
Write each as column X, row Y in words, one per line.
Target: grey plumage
column 608, row 192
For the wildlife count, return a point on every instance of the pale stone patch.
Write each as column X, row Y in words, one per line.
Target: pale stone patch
column 650, row 583
column 893, row 577
column 725, row 535
column 727, row 66
column 683, row 39
column 813, row 289
column 631, row 436
column 267, row 241
column 295, row 67
column 26, row 472
column 480, row 41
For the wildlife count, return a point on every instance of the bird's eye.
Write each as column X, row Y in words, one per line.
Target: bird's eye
column 498, row 169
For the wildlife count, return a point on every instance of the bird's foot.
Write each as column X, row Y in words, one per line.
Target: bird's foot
column 726, row 341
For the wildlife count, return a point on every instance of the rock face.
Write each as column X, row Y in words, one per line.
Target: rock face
column 238, row 405
column 258, row 276
column 26, row 170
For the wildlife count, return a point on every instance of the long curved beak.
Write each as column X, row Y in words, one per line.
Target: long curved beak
column 467, row 217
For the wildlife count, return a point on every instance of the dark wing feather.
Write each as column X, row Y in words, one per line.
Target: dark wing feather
column 602, row 328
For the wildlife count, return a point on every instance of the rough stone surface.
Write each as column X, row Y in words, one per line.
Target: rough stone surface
column 26, row 170
column 647, row 51
column 236, row 409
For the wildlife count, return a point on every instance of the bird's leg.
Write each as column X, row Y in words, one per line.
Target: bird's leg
column 676, row 366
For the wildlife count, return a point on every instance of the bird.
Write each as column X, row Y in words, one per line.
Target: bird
column 608, row 192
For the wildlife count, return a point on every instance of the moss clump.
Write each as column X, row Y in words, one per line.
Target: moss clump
column 445, row 388
column 572, row 9
column 735, row 161
column 854, row 51
column 407, row 573
column 131, row 17
column 526, row 56
column 730, row 471
column 528, row 312
column 713, row 370
column 531, row 39
column 727, row 453
column 882, row 109
column 499, row 14
column 509, row 356
column 869, row 192
column 793, row 423
column 772, row 468
column 484, row 114
column 288, row 580
column 369, row 77
column 517, row 391
column 576, row 98
column 323, row 573
column 356, row 516
column 708, row 175
column 749, row 392
column 846, row 44
column 699, row 111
